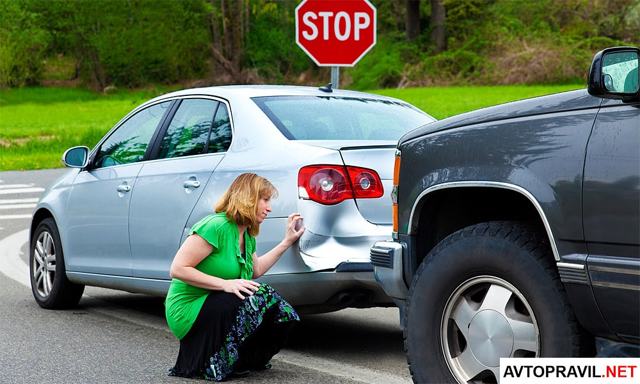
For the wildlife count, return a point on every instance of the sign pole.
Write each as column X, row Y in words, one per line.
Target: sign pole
column 335, row 77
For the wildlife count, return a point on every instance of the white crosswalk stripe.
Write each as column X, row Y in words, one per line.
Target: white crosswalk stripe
column 14, row 217
column 24, row 216
column 14, row 191
column 20, row 202
column 17, row 206
column 12, row 186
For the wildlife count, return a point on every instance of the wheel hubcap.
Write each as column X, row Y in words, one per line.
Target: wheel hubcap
column 490, row 337
column 44, row 264
column 486, row 318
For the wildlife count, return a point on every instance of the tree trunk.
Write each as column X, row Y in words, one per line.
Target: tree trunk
column 227, row 36
column 438, row 32
column 412, row 19
column 236, row 21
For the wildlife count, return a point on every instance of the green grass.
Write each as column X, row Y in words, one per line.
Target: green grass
column 38, row 124
column 441, row 102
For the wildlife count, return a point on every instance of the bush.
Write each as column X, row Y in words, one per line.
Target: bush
column 23, row 43
column 384, row 66
column 453, row 66
column 270, row 47
column 129, row 43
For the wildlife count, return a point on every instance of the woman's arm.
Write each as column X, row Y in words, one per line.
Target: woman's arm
column 263, row 263
column 190, row 254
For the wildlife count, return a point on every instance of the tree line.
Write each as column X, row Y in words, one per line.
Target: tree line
column 133, row 43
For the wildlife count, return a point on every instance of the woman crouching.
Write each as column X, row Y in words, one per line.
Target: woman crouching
column 226, row 322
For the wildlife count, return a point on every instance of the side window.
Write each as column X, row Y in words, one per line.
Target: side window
column 220, row 138
column 129, row 142
column 189, row 129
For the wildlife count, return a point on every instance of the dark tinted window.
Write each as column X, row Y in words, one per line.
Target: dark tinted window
column 341, row 118
column 129, row 142
column 220, row 137
column 189, row 129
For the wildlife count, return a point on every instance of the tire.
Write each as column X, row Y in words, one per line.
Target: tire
column 49, row 283
column 489, row 290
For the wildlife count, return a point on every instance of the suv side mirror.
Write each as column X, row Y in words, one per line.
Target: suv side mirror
column 76, row 157
column 614, row 74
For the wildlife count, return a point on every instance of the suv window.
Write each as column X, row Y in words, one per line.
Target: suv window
column 220, row 137
column 189, row 129
column 129, row 142
column 341, row 118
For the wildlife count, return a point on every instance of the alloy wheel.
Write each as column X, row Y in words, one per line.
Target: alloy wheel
column 44, row 264
column 484, row 319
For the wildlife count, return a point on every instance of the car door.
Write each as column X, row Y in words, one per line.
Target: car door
column 612, row 214
column 189, row 148
column 97, row 215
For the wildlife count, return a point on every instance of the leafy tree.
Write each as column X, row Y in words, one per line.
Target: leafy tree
column 23, row 44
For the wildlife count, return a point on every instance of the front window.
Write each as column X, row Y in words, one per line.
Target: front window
column 129, row 142
column 341, row 118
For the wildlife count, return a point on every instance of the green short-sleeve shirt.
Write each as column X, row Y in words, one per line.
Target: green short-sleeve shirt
column 184, row 301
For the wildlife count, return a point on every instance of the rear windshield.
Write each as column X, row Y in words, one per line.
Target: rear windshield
column 341, row 118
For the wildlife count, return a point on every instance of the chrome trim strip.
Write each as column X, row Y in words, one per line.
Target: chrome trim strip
column 627, row 287
column 571, row 266
column 491, row 184
column 615, row 270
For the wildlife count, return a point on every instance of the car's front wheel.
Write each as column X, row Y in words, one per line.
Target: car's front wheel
column 485, row 292
column 49, row 283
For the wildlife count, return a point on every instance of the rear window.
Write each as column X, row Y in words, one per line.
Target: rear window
column 341, row 118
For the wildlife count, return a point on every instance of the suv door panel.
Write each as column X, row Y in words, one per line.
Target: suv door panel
column 611, row 219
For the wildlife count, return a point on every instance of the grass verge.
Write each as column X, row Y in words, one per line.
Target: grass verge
column 38, row 124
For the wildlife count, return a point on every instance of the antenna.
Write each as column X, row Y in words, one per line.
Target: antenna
column 327, row 88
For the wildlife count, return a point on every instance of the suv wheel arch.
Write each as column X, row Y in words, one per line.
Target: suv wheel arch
column 534, row 206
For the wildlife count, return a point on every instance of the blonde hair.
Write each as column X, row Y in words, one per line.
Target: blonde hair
column 240, row 201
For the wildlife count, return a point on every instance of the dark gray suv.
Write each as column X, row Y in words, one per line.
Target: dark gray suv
column 517, row 229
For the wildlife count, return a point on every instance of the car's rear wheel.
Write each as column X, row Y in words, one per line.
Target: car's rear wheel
column 485, row 292
column 49, row 283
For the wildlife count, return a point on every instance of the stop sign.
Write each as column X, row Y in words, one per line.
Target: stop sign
column 336, row 32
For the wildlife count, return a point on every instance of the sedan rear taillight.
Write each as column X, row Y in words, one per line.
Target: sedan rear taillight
column 332, row 184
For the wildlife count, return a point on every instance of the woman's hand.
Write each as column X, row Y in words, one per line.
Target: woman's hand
column 295, row 229
column 240, row 286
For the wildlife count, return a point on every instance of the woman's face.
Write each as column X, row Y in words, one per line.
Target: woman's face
column 264, row 207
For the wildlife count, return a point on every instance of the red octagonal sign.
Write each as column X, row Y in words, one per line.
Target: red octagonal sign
column 336, row 32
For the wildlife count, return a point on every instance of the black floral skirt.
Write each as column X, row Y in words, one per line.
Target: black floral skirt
column 232, row 335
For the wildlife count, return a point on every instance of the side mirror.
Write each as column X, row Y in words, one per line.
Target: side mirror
column 76, row 157
column 614, row 74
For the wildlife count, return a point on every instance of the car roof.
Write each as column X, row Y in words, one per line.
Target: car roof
column 248, row 91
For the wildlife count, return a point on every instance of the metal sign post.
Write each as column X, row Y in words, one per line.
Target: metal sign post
column 335, row 77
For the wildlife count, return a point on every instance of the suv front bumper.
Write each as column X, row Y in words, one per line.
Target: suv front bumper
column 386, row 257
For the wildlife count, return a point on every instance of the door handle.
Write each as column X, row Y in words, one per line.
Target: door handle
column 191, row 184
column 124, row 188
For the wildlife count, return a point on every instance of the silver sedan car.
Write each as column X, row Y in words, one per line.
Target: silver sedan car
column 117, row 218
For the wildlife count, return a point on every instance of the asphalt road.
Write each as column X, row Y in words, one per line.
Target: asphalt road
column 118, row 337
